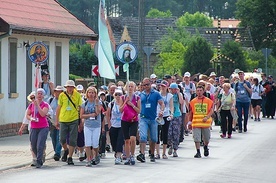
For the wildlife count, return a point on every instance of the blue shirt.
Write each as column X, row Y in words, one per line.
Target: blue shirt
column 149, row 104
column 242, row 95
column 176, row 106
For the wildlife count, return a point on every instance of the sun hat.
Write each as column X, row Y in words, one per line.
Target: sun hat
column 174, row 86
column 70, row 83
column 79, row 88
column 29, row 96
column 59, row 88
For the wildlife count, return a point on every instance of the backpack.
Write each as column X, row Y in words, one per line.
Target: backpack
column 236, row 88
column 191, row 85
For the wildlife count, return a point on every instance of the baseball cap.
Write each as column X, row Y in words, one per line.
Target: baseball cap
column 174, row 86
column 187, row 74
column 164, row 83
column 153, row 76
column 167, row 76
column 212, row 74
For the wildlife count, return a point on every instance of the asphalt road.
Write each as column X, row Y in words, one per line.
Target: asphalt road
column 247, row 157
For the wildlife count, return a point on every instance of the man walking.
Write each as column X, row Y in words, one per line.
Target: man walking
column 201, row 109
column 149, row 100
column 67, row 119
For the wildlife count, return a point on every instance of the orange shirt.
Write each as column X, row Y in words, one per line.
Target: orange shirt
column 200, row 108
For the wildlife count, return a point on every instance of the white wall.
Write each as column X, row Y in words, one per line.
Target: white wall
column 12, row 109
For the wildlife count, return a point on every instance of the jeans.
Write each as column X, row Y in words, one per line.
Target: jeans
column 145, row 125
column 38, row 138
column 54, row 134
column 242, row 106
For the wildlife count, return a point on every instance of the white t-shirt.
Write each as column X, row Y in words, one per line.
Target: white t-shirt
column 166, row 98
column 188, row 89
column 256, row 91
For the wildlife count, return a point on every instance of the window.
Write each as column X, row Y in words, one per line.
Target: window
column 12, row 66
column 58, row 63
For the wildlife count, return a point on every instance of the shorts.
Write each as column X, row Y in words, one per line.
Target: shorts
column 145, row 125
column 129, row 129
column 91, row 136
column 71, row 129
column 255, row 102
column 204, row 132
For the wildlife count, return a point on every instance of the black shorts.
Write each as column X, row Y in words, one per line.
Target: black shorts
column 129, row 129
column 255, row 102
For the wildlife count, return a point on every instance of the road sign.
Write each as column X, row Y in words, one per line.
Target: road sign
column 266, row 51
column 95, row 70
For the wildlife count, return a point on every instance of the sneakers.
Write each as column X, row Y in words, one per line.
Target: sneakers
column 107, row 148
column 33, row 162
column 175, row 154
column 103, row 155
column 132, row 160
column 152, row 158
column 259, row 119
column 229, row 136
column 197, row 155
column 82, row 156
column 164, row 156
column 222, row 136
column 157, row 156
column 170, row 151
column 65, row 154
column 206, row 151
column 70, row 161
column 186, row 133
column 127, row 162
column 88, row 164
column 56, row 157
column 118, row 161
column 141, row 157
column 97, row 159
column 38, row 164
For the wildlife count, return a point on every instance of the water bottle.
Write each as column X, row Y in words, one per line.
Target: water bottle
column 169, row 118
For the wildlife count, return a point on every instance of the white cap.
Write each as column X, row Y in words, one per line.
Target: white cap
column 79, row 87
column 153, row 76
column 213, row 74
column 187, row 74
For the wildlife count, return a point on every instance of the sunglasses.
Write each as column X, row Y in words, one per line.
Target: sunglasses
column 118, row 94
column 32, row 98
column 147, row 84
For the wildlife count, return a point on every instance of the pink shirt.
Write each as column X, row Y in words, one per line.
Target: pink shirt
column 129, row 114
column 42, row 121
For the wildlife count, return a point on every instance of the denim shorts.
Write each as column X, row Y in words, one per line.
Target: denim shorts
column 145, row 125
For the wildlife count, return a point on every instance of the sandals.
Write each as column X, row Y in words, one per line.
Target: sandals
column 164, row 156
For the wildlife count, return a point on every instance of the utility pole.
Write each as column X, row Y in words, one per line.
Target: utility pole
column 141, row 37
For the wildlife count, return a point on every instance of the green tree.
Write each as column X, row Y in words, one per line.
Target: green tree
column 260, row 16
column 234, row 51
column 171, row 62
column 155, row 13
column 194, row 20
column 197, row 56
column 81, row 59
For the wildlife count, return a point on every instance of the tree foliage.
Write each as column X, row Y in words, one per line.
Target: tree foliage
column 234, row 51
column 197, row 56
column 194, row 20
column 171, row 62
column 260, row 16
column 155, row 13
column 81, row 59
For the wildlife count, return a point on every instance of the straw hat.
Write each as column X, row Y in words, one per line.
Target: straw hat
column 70, row 83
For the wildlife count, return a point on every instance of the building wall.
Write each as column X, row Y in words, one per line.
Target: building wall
column 12, row 110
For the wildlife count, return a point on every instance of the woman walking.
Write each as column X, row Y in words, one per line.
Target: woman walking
column 90, row 112
column 227, row 103
column 37, row 114
column 130, row 109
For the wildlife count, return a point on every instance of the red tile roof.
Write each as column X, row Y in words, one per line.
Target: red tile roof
column 225, row 23
column 42, row 17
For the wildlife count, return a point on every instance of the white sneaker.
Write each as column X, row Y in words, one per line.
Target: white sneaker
column 118, row 161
